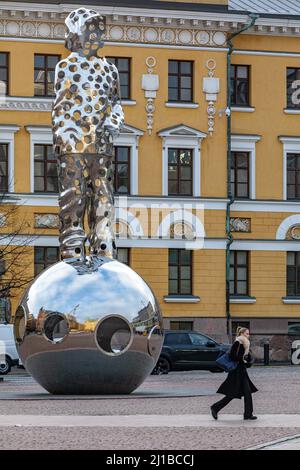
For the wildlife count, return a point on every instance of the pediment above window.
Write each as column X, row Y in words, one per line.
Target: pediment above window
column 130, row 130
column 181, row 130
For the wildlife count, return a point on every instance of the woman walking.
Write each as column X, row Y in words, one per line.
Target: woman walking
column 238, row 384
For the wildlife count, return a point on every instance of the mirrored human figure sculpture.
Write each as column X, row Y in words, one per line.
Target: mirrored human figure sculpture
column 87, row 115
column 87, row 324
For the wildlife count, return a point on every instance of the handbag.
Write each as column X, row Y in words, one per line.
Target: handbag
column 227, row 364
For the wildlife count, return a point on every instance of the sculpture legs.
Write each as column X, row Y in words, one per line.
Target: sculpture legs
column 85, row 184
column 101, row 207
column 72, row 202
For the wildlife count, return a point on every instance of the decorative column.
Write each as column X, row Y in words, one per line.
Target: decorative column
column 211, row 87
column 150, row 84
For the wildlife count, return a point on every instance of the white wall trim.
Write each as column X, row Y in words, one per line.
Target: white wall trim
column 292, row 301
column 291, row 111
column 266, row 245
column 290, row 145
column 265, row 206
column 209, row 244
column 170, row 104
column 173, row 299
column 172, row 203
column 37, row 104
column 7, row 136
column 240, row 300
column 247, row 143
column 266, row 53
column 286, row 225
column 243, row 109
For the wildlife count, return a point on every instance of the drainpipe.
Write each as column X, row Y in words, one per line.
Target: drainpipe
column 252, row 19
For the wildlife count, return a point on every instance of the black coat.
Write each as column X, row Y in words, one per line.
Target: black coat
column 237, row 379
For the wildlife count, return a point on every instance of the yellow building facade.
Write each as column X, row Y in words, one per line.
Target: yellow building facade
column 207, row 184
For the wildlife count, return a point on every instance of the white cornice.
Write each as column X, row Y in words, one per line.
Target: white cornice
column 39, row 104
column 16, row 103
column 245, row 138
column 265, row 206
column 289, row 139
column 138, row 25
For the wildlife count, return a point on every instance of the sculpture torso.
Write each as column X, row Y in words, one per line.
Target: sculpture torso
column 86, row 112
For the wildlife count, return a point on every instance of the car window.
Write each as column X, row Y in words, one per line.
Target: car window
column 177, row 338
column 198, row 340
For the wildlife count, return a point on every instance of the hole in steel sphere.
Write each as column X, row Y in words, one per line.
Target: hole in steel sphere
column 20, row 325
column 77, row 251
column 56, row 327
column 103, row 246
column 113, row 335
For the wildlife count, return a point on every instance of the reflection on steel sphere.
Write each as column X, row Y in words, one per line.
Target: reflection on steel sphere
column 90, row 327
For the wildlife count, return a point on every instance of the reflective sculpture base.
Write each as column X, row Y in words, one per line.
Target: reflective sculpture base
column 89, row 327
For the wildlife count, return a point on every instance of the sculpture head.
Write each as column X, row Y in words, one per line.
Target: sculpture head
column 85, row 29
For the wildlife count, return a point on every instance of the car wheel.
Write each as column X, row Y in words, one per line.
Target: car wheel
column 163, row 366
column 5, row 366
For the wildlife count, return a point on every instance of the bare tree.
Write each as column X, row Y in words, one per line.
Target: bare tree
column 15, row 252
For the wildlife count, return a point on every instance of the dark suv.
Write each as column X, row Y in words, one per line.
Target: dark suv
column 188, row 350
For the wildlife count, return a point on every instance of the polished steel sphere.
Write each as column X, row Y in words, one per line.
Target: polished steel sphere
column 89, row 327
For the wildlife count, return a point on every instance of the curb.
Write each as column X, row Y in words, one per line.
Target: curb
column 273, row 443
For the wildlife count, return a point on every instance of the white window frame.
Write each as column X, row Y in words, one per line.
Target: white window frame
column 247, row 143
column 39, row 135
column 186, row 138
column 7, row 136
column 128, row 137
column 290, row 145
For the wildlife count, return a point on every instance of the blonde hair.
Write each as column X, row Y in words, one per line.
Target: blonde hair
column 241, row 330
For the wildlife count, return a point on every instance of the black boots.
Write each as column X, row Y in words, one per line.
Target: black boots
column 213, row 412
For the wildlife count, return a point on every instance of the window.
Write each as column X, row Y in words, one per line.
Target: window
column 177, row 338
column 123, row 255
column 44, row 71
column 45, row 169
column 4, row 76
column 240, row 175
column 293, row 273
column 180, row 80
column 292, row 87
column 44, row 257
column 293, row 328
column 181, row 325
column 123, row 65
column 198, row 340
column 180, row 172
column 240, row 85
column 121, row 166
column 293, row 176
column 239, row 273
column 180, row 272
column 3, row 167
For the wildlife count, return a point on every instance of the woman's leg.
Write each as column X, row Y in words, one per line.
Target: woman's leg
column 221, row 404
column 248, row 402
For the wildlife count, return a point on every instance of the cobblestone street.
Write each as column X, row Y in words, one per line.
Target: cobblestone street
column 167, row 412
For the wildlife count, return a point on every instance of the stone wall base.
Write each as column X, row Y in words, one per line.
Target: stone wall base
column 272, row 331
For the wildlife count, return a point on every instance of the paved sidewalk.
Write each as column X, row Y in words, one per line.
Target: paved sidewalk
column 167, row 412
column 144, row 421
